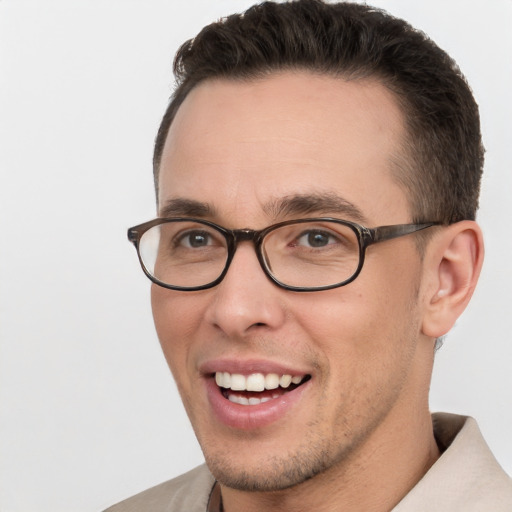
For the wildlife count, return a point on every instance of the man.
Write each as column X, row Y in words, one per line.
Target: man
column 317, row 174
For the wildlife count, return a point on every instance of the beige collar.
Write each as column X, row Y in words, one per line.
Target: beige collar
column 215, row 499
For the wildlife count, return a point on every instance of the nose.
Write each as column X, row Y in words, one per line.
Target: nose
column 246, row 300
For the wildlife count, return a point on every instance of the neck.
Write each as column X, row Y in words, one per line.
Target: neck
column 374, row 479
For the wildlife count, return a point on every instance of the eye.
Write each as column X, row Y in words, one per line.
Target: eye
column 316, row 238
column 195, row 239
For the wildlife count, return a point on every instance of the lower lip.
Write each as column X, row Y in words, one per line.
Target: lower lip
column 248, row 417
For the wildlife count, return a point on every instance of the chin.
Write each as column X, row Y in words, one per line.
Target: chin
column 275, row 473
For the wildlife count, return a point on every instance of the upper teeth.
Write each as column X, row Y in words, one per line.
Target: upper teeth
column 255, row 381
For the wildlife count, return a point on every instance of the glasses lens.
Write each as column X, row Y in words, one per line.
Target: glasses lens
column 185, row 254
column 312, row 254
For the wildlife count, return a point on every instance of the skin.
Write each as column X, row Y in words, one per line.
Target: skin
column 360, row 435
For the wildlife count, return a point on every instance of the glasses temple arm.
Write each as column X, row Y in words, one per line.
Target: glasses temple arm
column 383, row 233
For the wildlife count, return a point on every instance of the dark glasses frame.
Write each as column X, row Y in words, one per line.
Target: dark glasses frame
column 365, row 237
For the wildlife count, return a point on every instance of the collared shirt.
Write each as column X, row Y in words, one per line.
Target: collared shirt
column 466, row 478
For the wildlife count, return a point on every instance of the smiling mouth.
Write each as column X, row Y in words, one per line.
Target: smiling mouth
column 257, row 388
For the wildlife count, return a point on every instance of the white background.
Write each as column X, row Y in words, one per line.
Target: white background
column 89, row 412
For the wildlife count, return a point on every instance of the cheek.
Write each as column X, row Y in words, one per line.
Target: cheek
column 363, row 321
column 345, row 314
column 176, row 319
column 365, row 342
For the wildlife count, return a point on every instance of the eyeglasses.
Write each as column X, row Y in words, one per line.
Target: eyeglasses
column 300, row 255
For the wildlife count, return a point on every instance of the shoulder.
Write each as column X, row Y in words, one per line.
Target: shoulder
column 466, row 477
column 189, row 492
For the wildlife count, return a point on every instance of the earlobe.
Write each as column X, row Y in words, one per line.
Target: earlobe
column 454, row 260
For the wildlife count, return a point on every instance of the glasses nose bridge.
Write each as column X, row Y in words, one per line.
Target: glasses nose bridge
column 245, row 235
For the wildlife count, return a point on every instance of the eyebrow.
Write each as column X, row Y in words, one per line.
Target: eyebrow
column 316, row 203
column 288, row 206
column 181, row 207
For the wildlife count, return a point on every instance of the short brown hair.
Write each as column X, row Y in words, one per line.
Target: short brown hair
column 443, row 156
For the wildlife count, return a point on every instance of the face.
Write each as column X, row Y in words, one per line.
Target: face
column 235, row 153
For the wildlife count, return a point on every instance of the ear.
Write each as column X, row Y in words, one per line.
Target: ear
column 453, row 260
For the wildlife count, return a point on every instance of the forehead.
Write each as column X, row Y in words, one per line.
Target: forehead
column 237, row 145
